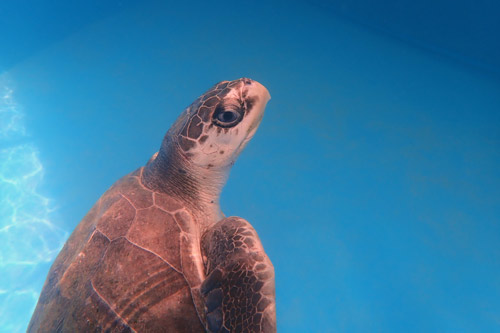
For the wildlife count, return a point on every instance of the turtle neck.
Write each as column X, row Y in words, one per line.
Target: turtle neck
column 199, row 188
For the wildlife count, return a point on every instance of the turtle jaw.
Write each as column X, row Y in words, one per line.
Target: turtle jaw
column 262, row 97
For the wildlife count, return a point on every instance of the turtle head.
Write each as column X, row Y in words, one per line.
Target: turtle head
column 215, row 128
column 199, row 149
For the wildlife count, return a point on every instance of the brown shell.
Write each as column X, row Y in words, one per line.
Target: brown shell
column 122, row 268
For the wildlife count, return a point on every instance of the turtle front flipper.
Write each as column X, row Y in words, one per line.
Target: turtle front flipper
column 239, row 289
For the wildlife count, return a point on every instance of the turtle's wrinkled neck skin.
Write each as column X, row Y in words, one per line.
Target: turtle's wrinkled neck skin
column 169, row 172
column 198, row 151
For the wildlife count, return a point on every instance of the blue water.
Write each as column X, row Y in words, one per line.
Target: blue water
column 373, row 180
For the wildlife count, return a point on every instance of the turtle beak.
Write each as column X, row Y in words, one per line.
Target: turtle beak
column 262, row 96
column 255, row 88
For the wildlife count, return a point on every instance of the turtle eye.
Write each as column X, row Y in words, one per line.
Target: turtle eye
column 226, row 117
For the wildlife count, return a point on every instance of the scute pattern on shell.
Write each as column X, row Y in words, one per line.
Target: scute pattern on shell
column 97, row 272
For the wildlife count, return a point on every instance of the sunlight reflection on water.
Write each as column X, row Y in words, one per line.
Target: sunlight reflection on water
column 28, row 239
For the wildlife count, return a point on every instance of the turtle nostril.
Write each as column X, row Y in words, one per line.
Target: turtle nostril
column 247, row 81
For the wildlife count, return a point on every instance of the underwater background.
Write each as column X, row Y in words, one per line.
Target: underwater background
column 373, row 181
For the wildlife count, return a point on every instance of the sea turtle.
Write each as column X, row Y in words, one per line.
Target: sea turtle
column 155, row 253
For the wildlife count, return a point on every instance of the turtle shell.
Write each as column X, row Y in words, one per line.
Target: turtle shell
column 125, row 267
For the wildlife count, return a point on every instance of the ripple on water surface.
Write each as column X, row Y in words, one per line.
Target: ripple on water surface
column 29, row 241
